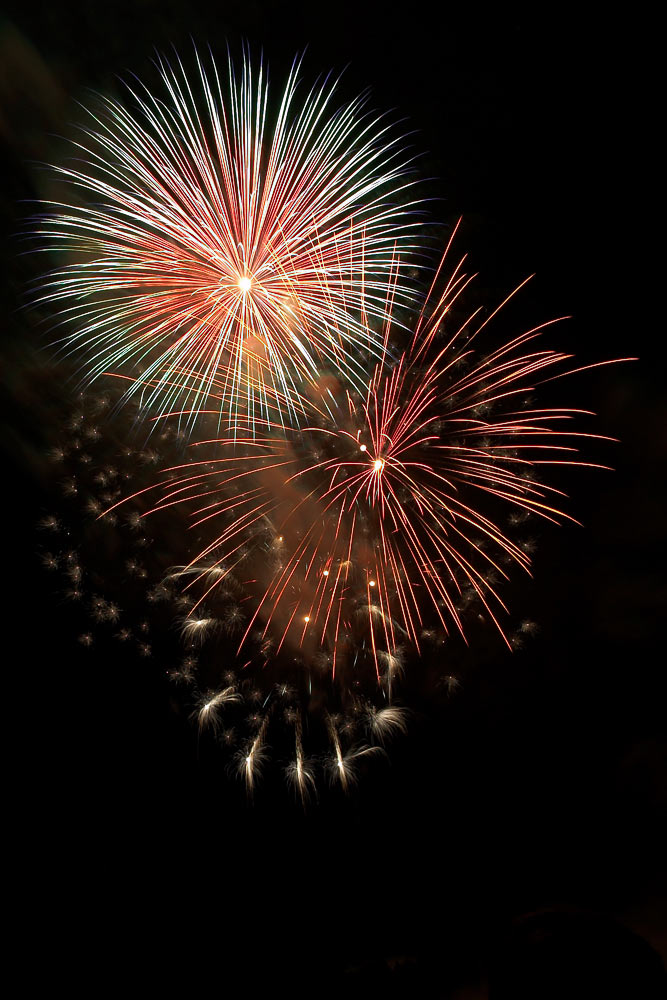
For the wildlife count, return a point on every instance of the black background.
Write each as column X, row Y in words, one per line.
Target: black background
column 543, row 782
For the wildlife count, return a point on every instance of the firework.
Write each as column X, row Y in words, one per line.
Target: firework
column 210, row 705
column 299, row 771
column 222, row 242
column 252, row 758
column 342, row 765
column 354, row 534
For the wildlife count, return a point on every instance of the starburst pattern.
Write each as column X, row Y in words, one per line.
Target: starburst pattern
column 222, row 242
column 383, row 513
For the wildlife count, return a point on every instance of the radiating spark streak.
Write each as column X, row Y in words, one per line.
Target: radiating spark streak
column 197, row 628
column 342, row 765
column 299, row 772
column 383, row 723
column 208, row 713
column 251, row 760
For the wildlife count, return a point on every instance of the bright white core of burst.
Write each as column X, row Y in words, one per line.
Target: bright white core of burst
column 245, row 284
column 378, row 464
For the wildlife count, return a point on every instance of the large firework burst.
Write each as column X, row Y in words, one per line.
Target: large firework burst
column 221, row 236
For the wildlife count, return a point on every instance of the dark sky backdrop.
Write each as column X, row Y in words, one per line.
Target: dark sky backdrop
column 543, row 783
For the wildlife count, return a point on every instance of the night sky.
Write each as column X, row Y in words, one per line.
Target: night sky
column 542, row 784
